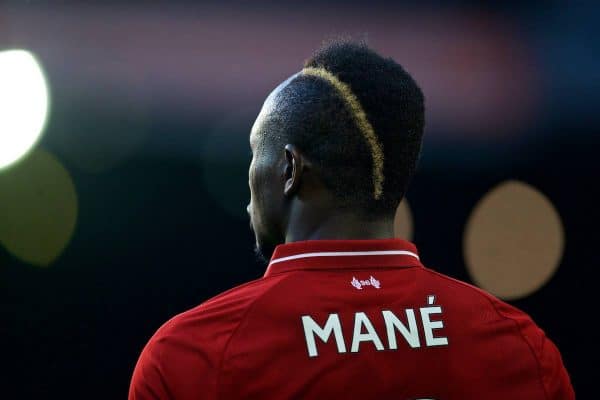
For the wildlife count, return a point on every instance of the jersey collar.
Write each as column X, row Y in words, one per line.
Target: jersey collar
column 343, row 254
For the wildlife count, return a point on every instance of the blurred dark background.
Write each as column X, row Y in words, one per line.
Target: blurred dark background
column 151, row 107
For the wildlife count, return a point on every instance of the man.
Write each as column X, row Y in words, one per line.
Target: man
column 344, row 311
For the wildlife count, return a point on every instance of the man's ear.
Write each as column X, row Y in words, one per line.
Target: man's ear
column 294, row 167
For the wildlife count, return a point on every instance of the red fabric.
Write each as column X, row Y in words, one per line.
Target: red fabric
column 250, row 342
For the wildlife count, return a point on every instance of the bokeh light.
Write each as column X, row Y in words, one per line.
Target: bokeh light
column 514, row 241
column 38, row 208
column 403, row 221
column 23, row 104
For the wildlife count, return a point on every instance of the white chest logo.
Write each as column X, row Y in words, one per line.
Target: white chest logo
column 358, row 284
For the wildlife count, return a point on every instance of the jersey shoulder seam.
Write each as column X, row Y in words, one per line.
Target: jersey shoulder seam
column 241, row 321
column 173, row 320
column 502, row 315
column 535, row 357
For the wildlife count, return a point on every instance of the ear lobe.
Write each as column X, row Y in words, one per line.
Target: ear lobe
column 293, row 170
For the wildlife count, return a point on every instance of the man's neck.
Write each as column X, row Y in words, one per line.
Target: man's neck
column 339, row 225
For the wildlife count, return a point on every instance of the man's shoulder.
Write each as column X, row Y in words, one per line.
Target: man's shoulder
column 489, row 312
column 468, row 296
column 184, row 356
column 480, row 310
column 218, row 316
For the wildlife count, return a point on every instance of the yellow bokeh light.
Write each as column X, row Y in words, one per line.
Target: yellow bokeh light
column 23, row 104
column 38, row 208
column 514, row 241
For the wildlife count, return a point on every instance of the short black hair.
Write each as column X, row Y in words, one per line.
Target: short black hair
column 321, row 123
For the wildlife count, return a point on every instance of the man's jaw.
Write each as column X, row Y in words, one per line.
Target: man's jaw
column 261, row 257
column 264, row 251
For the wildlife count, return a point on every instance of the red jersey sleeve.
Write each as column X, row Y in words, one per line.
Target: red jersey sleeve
column 173, row 366
column 183, row 359
column 553, row 374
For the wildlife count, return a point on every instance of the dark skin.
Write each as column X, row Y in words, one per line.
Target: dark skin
column 288, row 200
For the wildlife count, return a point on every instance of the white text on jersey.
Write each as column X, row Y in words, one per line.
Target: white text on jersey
column 365, row 332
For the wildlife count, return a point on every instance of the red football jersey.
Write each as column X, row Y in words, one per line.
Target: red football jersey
column 351, row 319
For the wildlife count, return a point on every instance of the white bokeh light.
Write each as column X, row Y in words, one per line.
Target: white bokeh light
column 23, row 104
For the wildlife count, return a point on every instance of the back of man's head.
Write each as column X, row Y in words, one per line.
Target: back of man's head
column 360, row 118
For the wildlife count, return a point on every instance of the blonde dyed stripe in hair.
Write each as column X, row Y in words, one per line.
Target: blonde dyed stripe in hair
column 361, row 120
